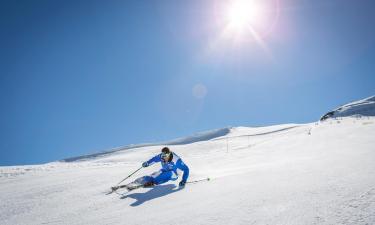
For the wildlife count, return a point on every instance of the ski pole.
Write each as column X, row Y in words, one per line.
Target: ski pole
column 196, row 181
column 130, row 175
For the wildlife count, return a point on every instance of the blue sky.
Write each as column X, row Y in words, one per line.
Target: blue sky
column 83, row 76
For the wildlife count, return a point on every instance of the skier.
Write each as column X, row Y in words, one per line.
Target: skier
column 170, row 162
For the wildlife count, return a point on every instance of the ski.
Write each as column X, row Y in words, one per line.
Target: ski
column 128, row 188
column 111, row 191
column 134, row 187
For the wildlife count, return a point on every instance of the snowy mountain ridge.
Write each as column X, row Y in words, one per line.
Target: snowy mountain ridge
column 364, row 107
column 200, row 136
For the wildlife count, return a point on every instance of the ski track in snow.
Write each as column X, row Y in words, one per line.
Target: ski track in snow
column 317, row 173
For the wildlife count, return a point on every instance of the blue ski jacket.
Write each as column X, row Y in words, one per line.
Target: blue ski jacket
column 172, row 165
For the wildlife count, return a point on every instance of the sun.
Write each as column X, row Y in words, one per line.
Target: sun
column 242, row 14
column 245, row 24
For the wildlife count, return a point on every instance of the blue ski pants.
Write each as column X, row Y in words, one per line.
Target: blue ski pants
column 160, row 177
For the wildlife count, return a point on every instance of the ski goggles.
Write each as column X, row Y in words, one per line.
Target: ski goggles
column 165, row 155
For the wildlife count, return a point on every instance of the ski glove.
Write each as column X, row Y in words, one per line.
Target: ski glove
column 182, row 183
column 145, row 164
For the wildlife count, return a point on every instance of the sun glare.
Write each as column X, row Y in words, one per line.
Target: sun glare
column 245, row 24
column 247, row 21
column 244, row 13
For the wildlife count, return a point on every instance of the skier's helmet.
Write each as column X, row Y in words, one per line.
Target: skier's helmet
column 165, row 153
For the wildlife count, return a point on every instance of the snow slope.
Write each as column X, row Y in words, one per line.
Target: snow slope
column 318, row 173
column 364, row 107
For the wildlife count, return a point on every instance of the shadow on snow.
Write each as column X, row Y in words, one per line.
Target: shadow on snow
column 153, row 193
